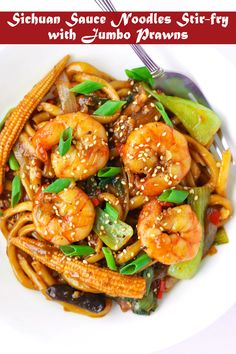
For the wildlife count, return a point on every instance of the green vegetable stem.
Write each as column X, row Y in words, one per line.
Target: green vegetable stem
column 198, row 202
column 149, row 302
column 114, row 233
column 201, row 122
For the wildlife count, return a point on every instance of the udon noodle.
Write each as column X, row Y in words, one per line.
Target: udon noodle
column 102, row 232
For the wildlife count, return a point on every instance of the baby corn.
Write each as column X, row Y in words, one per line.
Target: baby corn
column 102, row 279
column 22, row 112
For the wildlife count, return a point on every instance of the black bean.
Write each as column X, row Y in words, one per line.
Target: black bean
column 91, row 302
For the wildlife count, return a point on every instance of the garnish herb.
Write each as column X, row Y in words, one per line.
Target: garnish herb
column 65, row 141
column 112, row 212
column 109, row 108
column 16, row 191
column 109, row 258
column 161, row 109
column 13, row 163
column 140, row 74
column 58, row 185
column 87, row 87
column 173, row 196
column 77, row 250
column 109, row 172
column 136, row 265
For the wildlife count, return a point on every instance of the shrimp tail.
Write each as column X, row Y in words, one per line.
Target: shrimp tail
column 102, row 279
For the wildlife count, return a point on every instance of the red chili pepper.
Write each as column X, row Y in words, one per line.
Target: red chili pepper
column 162, row 289
column 214, row 216
column 165, row 204
column 95, row 201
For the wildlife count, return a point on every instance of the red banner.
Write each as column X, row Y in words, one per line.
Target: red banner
column 119, row 27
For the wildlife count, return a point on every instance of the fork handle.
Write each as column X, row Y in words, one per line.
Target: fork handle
column 155, row 70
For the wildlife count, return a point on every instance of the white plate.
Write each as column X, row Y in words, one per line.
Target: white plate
column 192, row 305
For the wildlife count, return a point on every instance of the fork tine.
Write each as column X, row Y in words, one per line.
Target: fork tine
column 216, row 152
column 105, row 5
column 110, row 5
column 220, row 144
column 101, row 5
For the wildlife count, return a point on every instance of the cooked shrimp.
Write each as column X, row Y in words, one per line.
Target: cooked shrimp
column 169, row 236
column 88, row 153
column 160, row 153
column 65, row 217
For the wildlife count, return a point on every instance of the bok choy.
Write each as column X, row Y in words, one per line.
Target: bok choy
column 201, row 122
column 198, row 202
column 114, row 233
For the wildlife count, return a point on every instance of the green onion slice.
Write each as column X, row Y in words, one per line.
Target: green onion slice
column 13, row 163
column 163, row 113
column 112, row 212
column 151, row 92
column 136, row 265
column 16, row 191
column 109, row 172
column 140, row 74
column 65, row 141
column 109, row 108
column 1, row 213
column 87, row 87
column 173, row 196
column 221, row 236
column 77, row 250
column 58, row 185
column 109, row 258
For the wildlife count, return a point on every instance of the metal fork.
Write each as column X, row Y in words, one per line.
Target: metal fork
column 173, row 83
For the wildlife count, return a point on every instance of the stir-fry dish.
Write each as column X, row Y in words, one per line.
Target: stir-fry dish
column 109, row 189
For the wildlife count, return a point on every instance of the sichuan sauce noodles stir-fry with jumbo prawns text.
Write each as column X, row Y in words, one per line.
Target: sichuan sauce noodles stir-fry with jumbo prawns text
column 109, row 190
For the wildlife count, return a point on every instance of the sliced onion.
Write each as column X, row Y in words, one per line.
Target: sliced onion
column 67, row 98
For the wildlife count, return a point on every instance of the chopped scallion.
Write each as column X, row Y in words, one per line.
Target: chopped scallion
column 163, row 113
column 173, row 196
column 77, row 250
column 87, row 87
column 109, row 108
column 65, row 141
column 13, row 163
column 109, row 258
column 140, row 74
column 109, row 172
column 112, row 212
column 58, row 185
column 136, row 265
column 16, row 191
